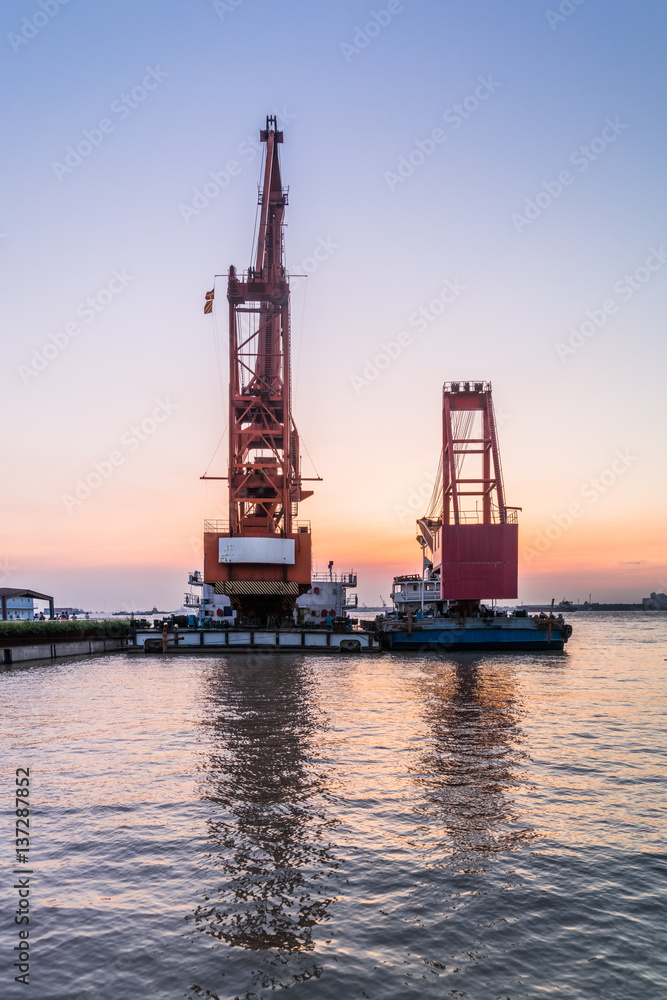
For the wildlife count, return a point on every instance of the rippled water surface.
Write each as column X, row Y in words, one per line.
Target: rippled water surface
column 483, row 826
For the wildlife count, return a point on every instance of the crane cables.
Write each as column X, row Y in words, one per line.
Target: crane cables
column 462, row 426
column 259, row 198
column 434, row 510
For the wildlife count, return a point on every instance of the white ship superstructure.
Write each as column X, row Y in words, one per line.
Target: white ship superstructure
column 414, row 593
column 327, row 597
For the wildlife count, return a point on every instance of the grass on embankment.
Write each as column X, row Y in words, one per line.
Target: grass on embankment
column 107, row 628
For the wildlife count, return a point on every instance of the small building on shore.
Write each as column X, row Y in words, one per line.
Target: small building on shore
column 19, row 604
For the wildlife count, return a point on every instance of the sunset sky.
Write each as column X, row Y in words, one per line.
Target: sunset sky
column 498, row 166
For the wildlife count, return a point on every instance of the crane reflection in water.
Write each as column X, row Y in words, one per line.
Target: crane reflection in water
column 473, row 763
column 269, row 825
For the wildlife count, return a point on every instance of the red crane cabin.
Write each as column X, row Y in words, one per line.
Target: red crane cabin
column 261, row 558
column 477, row 540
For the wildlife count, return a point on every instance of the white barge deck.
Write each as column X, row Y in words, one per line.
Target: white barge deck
column 196, row 640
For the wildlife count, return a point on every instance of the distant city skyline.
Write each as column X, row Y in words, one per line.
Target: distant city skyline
column 476, row 191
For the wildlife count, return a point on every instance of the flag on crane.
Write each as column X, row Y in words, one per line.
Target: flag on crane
column 208, row 304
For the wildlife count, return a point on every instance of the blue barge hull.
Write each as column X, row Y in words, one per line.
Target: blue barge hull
column 510, row 635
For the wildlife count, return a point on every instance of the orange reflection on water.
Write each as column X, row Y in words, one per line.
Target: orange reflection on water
column 472, row 767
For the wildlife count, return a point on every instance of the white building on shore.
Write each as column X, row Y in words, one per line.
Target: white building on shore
column 656, row 602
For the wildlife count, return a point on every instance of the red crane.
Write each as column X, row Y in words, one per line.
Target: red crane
column 470, row 532
column 261, row 558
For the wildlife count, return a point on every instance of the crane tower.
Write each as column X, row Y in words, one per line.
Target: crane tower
column 261, row 558
column 469, row 532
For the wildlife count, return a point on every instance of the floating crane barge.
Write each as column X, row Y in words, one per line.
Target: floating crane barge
column 260, row 560
column 470, row 543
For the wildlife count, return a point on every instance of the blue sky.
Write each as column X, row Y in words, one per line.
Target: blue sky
column 552, row 82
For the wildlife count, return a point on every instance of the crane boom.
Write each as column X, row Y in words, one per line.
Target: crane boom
column 262, row 559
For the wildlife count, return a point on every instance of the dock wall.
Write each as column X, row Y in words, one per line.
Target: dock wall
column 12, row 651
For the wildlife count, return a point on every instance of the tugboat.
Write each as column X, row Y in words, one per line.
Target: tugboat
column 470, row 546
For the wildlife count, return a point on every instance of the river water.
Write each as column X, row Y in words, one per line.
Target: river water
column 484, row 826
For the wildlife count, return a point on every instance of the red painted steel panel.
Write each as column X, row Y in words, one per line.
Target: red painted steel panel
column 479, row 561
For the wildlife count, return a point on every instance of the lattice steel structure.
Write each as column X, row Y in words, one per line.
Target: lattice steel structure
column 471, row 533
column 265, row 484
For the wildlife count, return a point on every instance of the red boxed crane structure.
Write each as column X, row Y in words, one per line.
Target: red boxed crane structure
column 261, row 558
column 473, row 537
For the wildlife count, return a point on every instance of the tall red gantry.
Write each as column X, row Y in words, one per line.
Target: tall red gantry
column 261, row 558
column 470, row 532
